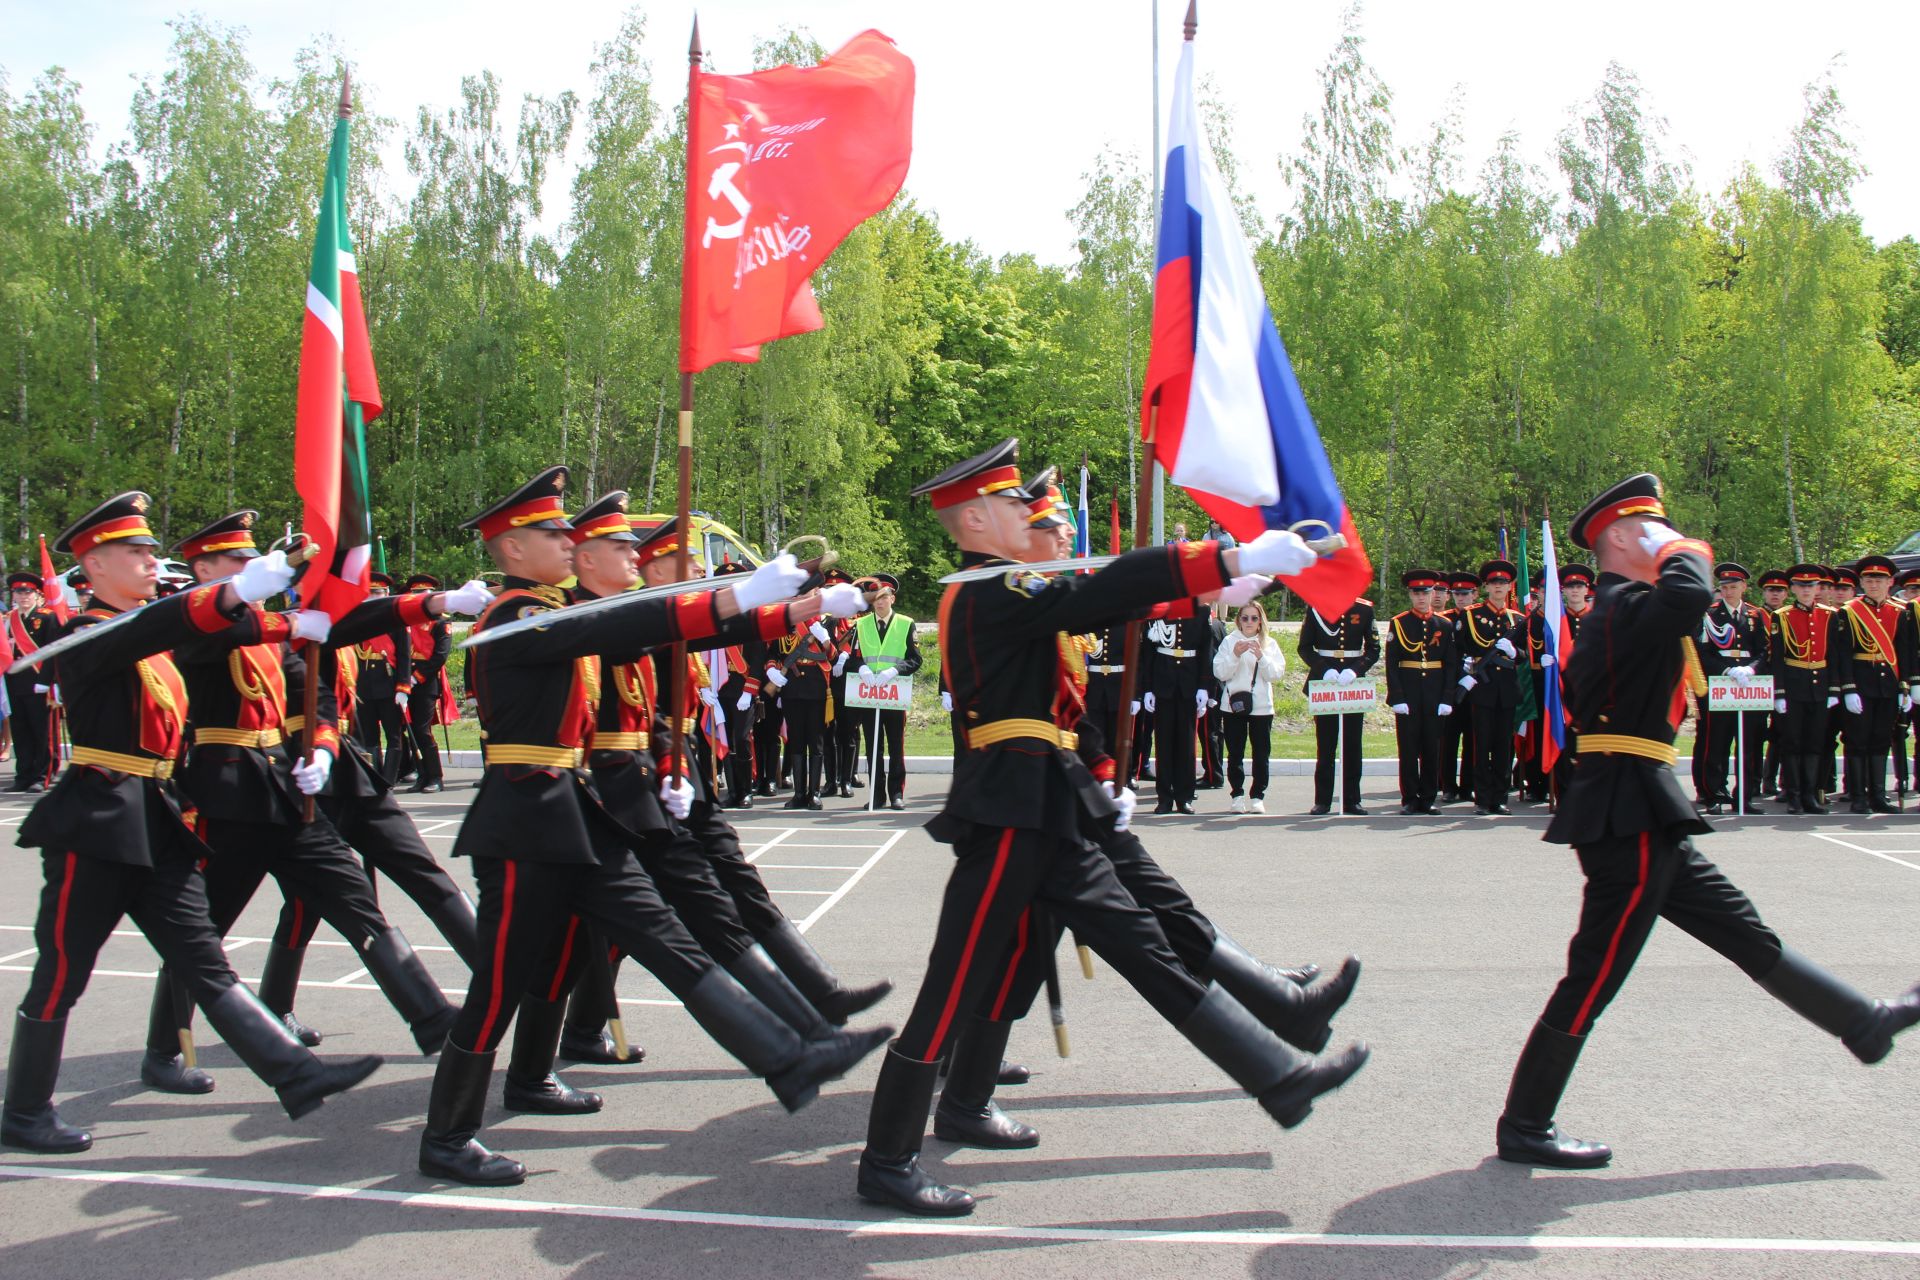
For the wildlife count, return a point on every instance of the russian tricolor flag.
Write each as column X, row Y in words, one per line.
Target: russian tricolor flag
column 1553, row 714
column 1233, row 428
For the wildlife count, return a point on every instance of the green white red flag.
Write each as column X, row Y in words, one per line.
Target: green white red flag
column 339, row 395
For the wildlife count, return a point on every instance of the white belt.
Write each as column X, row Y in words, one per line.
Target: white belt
column 1107, row 671
column 1735, row 653
column 1177, row 653
column 1341, row 653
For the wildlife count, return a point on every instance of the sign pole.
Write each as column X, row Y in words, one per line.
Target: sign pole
column 873, row 758
column 1740, row 763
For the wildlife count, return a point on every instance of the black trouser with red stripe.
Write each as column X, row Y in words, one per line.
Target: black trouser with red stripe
column 720, row 844
column 984, row 930
column 380, row 831
column 378, row 715
column 1632, row 881
column 529, row 941
column 84, row 898
column 423, row 705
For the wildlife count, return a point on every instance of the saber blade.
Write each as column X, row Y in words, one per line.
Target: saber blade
column 1320, row 546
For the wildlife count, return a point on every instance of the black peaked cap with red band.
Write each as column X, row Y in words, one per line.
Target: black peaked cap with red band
column 1636, row 497
column 995, row 470
column 605, row 517
column 422, row 582
column 1498, row 571
column 534, row 505
column 230, row 535
column 661, row 540
column 122, row 518
column 1464, row 580
column 1775, row 578
column 1730, row 571
column 1038, row 494
column 1422, row 579
column 1874, row 564
column 1580, row 573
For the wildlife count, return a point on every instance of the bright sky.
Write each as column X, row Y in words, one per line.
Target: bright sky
column 1017, row 97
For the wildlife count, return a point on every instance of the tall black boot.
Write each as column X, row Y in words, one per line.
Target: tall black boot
column 410, row 989
column 1866, row 1026
column 1284, row 1082
column 531, row 1082
column 449, row 1148
column 458, row 924
column 164, row 1065
column 890, row 1171
column 816, row 980
column 279, row 982
column 1856, row 767
column 755, row 970
column 271, row 1052
column 1526, row 1133
column 1876, row 780
column 967, row 1113
column 29, row 1119
column 1790, row 792
column 1302, row 1017
column 1810, row 799
column 792, row 1067
column 586, row 1037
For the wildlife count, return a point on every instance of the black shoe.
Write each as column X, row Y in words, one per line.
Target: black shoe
column 1501, row 811
column 1283, row 1081
column 890, row 1172
column 1410, row 810
column 1712, row 811
column 897, row 803
column 1481, row 811
column 822, row 1061
column 262, row 1041
column 1162, row 808
column 550, row 1096
column 279, row 983
column 1184, row 806
column 1355, row 810
column 813, row 802
column 169, row 1073
column 596, row 1048
column 967, row 1113
column 1450, row 797
column 1320, row 810
column 1301, row 1015
column 449, row 1148
column 305, row 1034
column 29, row 1119
column 845, row 792
column 1873, row 1039
column 1528, row 1144
column 1754, row 810
column 764, row 790
column 809, row 971
column 1013, row 1073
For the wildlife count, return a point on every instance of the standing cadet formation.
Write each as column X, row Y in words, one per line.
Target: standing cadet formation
column 180, row 772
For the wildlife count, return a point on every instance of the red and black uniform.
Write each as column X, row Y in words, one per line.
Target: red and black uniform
column 1875, row 660
column 385, row 684
column 27, row 710
column 1423, row 672
column 428, row 645
column 1806, row 679
column 841, row 736
column 1349, row 642
column 807, row 663
column 1729, row 640
column 1495, row 689
column 739, row 680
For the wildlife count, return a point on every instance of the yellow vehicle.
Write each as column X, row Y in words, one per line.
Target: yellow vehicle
column 714, row 543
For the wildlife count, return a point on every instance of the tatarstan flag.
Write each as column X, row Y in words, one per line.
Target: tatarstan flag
column 339, row 395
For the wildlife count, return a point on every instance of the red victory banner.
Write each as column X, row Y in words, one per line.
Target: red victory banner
column 781, row 165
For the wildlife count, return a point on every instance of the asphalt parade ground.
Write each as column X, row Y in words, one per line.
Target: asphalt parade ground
column 1747, row 1142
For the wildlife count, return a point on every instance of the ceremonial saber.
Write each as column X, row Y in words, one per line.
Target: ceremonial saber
column 1042, row 926
column 1320, row 546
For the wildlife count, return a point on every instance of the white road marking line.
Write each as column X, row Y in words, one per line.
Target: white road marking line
column 756, row 855
column 431, row 827
column 808, row 893
column 852, row 880
column 1857, row 848
column 452, row 993
column 233, row 940
column 807, row 844
column 486, row 1203
column 19, row 955
column 345, row 980
column 805, row 866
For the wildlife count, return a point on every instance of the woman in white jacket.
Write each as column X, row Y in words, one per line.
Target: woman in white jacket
column 1247, row 663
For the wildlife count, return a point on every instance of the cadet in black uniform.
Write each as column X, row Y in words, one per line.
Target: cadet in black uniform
column 1809, row 634
column 1488, row 636
column 1907, row 593
column 385, row 684
column 428, row 645
column 546, row 849
column 1014, row 816
column 1843, row 586
column 29, row 625
column 841, row 735
column 113, row 837
column 1874, row 666
column 1456, row 737
column 1342, row 650
column 1422, row 673
column 739, row 694
column 1774, row 596
column 1178, row 653
column 1733, row 641
column 801, row 666
column 1625, row 816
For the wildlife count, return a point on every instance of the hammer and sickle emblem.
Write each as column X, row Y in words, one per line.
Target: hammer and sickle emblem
column 720, row 186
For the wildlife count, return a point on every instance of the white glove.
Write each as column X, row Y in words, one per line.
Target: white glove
column 842, row 600
column 1467, row 683
column 1906, row 704
column 311, row 777
column 1546, row 658
column 1655, row 536
column 819, row 632
column 840, row 663
column 1854, row 705
column 469, row 597
column 1148, row 703
column 1832, row 702
column 1780, row 706
column 312, row 624
column 708, row 696
column 1505, row 646
column 864, row 671
column 1134, row 709
column 1401, row 709
column 1277, row 553
column 400, row 696
column 1346, row 675
column 263, row 577
column 745, row 703
column 1741, row 675
column 778, row 677
column 676, row 796
column 43, row 688
column 1244, row 588
column 1123, row 800
column 777, row 579
column 1446, row 709
column 946, row 702
column 1200, row 701
column 53, row 694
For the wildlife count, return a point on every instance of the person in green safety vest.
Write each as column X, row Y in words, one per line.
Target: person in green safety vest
column 883, row 642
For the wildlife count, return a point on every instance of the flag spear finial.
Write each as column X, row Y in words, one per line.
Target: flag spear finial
column 694, row 49
column 346, row 93
column 1193, row 17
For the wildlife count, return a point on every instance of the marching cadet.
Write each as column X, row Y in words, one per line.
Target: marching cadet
column 1015, row 813
column 29, row 625
column 1342, row 650
column 1177, row 656
column 1488, row 636
column 249, row 794
column 1874, row 665
column 385, row 682
column 545, row 849
column 1775, row 592
column 1456, row 737
column 883, row 644
column 359, row 801
column 1422, row 673
column 1733, row 641
column 113, row 836
column 1804, row 681
column 428, row 645
column 801, row 665
column 1626, row 818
